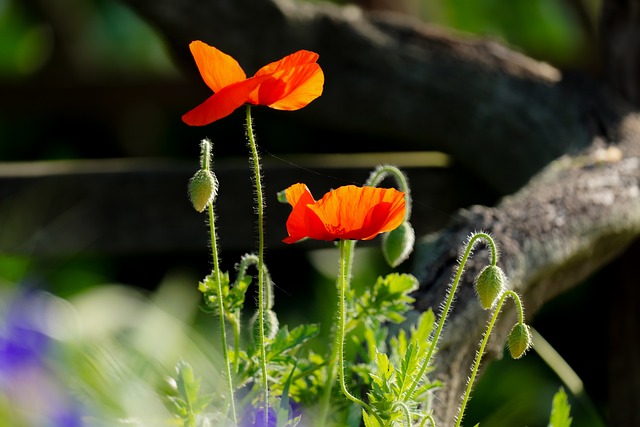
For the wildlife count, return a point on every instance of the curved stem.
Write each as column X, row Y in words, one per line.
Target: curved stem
column 429, row 418
column 381, row 172
column 343, row 285
column 480, row 353
column 261, row 288
column 449, row 302
column 405, row 412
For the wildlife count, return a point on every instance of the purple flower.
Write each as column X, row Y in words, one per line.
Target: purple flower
column 28, row 380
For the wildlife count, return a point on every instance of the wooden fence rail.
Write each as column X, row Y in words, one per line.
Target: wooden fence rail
column 140, row 206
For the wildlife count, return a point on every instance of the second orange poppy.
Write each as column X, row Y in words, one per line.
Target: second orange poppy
column 346, row 213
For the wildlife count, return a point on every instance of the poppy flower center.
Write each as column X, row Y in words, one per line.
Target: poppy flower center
column 335, row 230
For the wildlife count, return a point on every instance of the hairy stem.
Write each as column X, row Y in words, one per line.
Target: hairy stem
column 261, row 291
column 449, row 302
column 205, row 164
column 480, row 353
column 346, row 257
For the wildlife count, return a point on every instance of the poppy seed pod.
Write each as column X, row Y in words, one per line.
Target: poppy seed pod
column 203, row 188
column 489, row 285
column 519, row 340
column 397, row 244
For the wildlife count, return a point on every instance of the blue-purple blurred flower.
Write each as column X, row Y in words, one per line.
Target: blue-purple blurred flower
column 31, row 394
column 255, row 417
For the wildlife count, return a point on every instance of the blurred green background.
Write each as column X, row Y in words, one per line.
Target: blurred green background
column 83, row 79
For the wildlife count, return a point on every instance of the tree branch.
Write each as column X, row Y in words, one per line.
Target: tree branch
column 573, row 218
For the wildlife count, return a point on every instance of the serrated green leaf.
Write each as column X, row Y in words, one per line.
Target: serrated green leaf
column 369, row 421
column 425, row 325
column 560, row 410
column 286, row 340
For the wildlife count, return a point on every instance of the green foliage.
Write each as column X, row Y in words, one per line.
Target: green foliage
column 188, row 403
column 560, row 410
column 387, row 300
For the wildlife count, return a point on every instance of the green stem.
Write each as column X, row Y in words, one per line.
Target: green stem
column 429, row 418
column 223, row 331
column 381, row 172
column 405, row 411
column 343, row 285
column 449, row 302
column 205, row 163
column 261, row 291
column 480, row 353
column 331, row 363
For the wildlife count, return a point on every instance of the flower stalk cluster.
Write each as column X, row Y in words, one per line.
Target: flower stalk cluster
column 275, row 372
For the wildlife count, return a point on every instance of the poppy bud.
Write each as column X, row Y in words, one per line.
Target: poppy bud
column 519, row 340
column 489, row 285
column 397, row 244
column 203, row 188
column 282, row 196
column 271, row 325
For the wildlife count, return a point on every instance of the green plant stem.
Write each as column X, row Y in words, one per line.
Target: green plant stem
column 429, row 418
column 381, row 172
column 331, row 362
column 346, row 249
column 223, row 329
column 480, row 353
column 205, row 163
column 235, row 324
column 261, row 296
column 449, row 302
column 405, row 411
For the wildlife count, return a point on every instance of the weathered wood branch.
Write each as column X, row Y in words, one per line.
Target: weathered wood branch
column 498, row 112
column 574, row 217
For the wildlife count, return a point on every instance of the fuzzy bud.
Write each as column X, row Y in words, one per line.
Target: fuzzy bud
column 271, row 325
column 203, row 188
column 519, row 340
column 397, row 244
column 489, row 285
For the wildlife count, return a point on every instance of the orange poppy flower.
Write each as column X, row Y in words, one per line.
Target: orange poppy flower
column 348, row 213
column 288, row 84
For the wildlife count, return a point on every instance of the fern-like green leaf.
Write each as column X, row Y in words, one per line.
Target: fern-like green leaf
column 560, row 410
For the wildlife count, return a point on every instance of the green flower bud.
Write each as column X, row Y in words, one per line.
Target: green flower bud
column 489, row 285
column 203, row 188
column 271, row 325
column 519, row 340
column 397, row 244
column 282, row 197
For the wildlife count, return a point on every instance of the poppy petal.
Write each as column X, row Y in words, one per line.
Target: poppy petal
column 292, row 89
column 296, row 59
column 358, row 213
column 298, row 192
column 298, row 196
column 221, row 103
column 217, row 69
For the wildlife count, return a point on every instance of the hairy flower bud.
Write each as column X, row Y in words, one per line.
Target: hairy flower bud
column 397, row 244
column 489, row 285
column 271, row 325
column 203, row 188
column 519, row 340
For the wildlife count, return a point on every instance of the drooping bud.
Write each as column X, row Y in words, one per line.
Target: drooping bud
column 489, row 285
column 282, row 197
column 397, row 244
column 203, row 188
column 519, row 340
